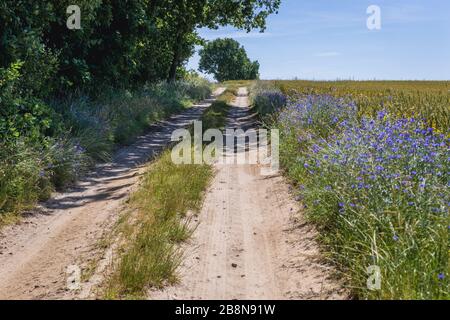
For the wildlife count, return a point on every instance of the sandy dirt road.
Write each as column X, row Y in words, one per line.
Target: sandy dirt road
column 251, row 241
column 35, row 254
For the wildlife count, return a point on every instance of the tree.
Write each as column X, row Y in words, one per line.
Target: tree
column 120, row 43
column 226, row 59
column 188, row 15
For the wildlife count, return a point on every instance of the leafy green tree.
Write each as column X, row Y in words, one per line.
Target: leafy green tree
column 188, row 15
column 226, row 59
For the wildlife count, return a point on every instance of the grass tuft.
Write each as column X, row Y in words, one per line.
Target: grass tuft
column 157, row 222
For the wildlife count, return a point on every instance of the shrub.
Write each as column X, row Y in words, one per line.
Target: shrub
column 22, row 178
column 21, row 115
column 269, row 101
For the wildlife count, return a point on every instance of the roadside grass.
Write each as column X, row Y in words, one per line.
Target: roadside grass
column 234, row 85
column 156, row 222
column 157, row 219
column 88, row 132
column 216, row 115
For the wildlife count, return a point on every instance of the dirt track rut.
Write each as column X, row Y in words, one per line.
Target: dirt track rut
column 252, row 241
column 35, row 254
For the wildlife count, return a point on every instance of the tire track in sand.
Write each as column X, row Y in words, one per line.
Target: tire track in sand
column 252, row 241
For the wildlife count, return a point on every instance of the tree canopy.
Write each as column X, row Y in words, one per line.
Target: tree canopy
column 226, row 59
column 120, row 43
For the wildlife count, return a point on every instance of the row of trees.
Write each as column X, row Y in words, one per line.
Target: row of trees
column 121, row 42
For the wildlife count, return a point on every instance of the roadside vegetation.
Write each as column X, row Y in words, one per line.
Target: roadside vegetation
column 371, row 165
column 215, row 117
column 428, row 100
column 50, row 151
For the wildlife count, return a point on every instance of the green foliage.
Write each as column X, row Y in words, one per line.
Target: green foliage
column 68, row 96
column 32, row 165
column 20, row 113
column 20, row 178
column 120, row 43
column 227, row 60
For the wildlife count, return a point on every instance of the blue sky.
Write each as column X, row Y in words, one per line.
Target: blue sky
column 329, row 39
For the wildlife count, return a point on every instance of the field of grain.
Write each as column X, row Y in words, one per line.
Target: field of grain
column 420, row 99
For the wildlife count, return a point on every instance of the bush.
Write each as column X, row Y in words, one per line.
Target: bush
column 268, row 101
column 22, row 179
column 21, row 115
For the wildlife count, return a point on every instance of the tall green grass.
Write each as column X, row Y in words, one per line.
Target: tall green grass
column 88, row 130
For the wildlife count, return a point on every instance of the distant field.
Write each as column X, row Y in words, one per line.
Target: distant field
column 425, row 99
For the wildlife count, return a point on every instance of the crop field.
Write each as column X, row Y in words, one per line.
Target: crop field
column 420, row 99
column 371, row 162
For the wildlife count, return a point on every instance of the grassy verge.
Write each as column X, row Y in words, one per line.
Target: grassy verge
column 78, row 132
column 234, row 85
column 215, row 116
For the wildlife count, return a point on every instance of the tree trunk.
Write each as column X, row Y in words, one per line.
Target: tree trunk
column 176, row 60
